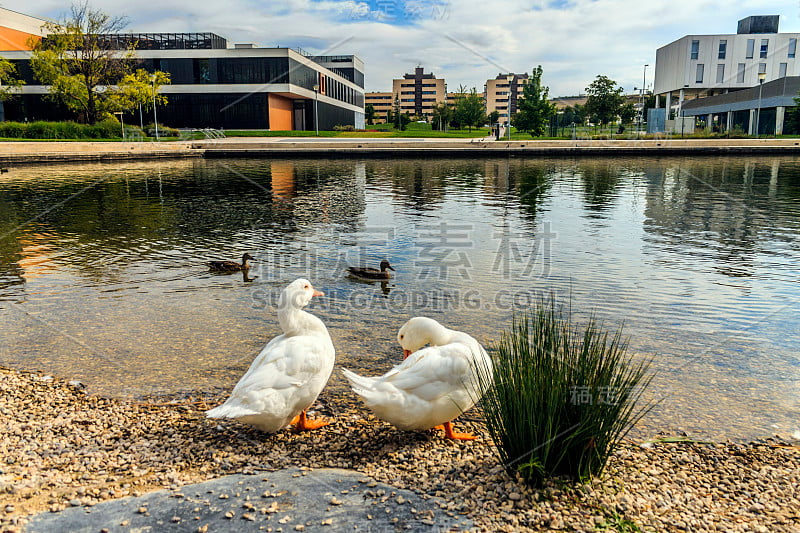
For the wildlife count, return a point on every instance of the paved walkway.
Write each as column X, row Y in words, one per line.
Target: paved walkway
column 329, row 500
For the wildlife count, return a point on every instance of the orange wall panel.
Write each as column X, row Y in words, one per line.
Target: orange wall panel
column 15, row 39
column 280, row 113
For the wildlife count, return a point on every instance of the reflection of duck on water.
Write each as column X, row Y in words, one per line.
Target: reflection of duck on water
column 231, row 266
column 372, row 273
column 386, row 288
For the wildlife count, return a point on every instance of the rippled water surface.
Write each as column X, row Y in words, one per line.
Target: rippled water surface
column 102, row 274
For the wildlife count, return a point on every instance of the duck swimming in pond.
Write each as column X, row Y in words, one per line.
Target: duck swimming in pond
column 231, row 266
column 372, row 273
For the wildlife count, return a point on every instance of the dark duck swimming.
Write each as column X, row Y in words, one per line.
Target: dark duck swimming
column 231, row 266
column 372, row 273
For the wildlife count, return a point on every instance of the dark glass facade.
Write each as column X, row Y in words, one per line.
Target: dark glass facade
column 194, row 71
column 192, row 107
column 221, row 111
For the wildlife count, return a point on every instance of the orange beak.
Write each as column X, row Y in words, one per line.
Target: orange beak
column 318, row 293
column 406, row 353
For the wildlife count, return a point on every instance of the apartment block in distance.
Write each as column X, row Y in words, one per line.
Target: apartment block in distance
column 217, row 86
column 419, row 93
column 382, row 103
column 503, row 94
column 697, row 66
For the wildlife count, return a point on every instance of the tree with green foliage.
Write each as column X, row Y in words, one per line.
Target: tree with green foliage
column 470, row 109
column 580, row 114
column 627, row 113
column 369, row 114
column 571, row 115
column 396, row 114
column 139, row 88
column 442, row 115
column 82, row 71
column 791, row 123
column 604, row 100
column 405, row 119
column 493, row 117
column 534, row 108
column 8, row 83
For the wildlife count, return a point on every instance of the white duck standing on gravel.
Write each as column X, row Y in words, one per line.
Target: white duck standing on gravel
column 289, row 373
column 433, row 385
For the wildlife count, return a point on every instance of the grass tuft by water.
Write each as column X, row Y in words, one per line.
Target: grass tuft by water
column 561, row 396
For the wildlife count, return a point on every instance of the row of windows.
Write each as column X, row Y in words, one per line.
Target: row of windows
column 307, row 78
column 740, row 71
column 414, row 83
column 763, row 50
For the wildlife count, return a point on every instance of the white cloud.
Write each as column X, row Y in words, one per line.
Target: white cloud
column 464, row 41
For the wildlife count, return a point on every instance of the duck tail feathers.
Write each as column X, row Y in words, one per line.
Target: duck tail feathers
column 358, row 383
column 229, row 411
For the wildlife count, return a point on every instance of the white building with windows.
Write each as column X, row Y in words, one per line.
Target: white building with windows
column 699, row 66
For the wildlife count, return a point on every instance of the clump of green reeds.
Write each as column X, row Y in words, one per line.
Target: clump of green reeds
column 561, row 396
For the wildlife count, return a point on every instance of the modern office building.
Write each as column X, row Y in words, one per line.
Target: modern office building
column 698, row 66
column 17, row 29
column 503, row 93
column 759, row 110
column 419, row 93
column 214, row 86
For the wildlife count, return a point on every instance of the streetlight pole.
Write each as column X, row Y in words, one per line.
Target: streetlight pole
column 510, row 79
column 641, row 111
column 316, row 108
column 155, row 114
column 761, row 76
column 121, row 123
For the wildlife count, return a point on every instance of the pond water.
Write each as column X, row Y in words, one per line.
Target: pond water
column 102, row 274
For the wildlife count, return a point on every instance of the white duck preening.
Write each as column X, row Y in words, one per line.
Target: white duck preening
column 289, row 373
column 433, row 385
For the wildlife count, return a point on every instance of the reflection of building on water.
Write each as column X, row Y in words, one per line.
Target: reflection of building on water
column 282, row 180
column 36, row 256
column 329, row 191
column 23, row 260
column 689, row 207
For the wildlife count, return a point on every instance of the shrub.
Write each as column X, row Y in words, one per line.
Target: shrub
column 12, row 130
column 163, row 131
column 347, row 127
column 106, row 129
column 562, row 396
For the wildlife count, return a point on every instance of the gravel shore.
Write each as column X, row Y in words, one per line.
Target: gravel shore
column 63, row 448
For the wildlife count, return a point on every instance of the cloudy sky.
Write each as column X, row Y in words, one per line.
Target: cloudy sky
column 463, row 41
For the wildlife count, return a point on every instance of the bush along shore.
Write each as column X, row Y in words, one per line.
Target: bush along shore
column 102, row 130
column 63, row 448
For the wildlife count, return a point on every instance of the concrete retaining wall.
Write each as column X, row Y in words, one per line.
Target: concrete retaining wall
column 47, row 152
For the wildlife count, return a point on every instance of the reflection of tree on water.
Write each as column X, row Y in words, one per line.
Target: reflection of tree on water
column 533, row 182
column 422, row 184
column 11, row 274
column 601, row 181
column 100, row 227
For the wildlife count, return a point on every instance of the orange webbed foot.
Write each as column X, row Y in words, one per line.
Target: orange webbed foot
column 453, row 435
column 302, row 423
